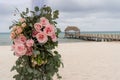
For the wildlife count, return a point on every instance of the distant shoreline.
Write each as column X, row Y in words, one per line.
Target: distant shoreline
column 5, row 40
column 4, row 32
column 80, row 31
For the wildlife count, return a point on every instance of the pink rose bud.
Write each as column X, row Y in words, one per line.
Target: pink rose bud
column 18, row 30
column 22, row 38
column 22, row 20
column 53, row 37
column 20, row 49
column 34, row 33
column 29, row 52
column 44, row 21
column 12, row 35
column 23, row 25
column 38, row 26
column 29, row 43
column 14, row 28
column 41, row 37
column 49, row 29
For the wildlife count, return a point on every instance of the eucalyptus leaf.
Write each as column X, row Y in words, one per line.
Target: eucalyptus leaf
column 36, row 8
column 27, row 10
column 29, row 70
column 36, row 52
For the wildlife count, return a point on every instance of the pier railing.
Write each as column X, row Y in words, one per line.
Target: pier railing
column 97, row 37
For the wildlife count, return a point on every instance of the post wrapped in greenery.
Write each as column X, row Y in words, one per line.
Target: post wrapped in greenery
column 34, row 40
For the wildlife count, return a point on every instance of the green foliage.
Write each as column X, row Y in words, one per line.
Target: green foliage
column 36, row 9
column 45, row 62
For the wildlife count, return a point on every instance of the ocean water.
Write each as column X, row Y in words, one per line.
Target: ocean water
column 5, row 37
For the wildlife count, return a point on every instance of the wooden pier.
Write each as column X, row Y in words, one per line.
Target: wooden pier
column 96, row 37
column 90, row 36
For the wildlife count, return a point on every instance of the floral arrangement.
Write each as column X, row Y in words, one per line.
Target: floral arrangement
column 34, row 40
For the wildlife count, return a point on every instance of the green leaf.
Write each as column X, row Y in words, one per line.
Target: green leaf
column 17, row 77
column 24, row 13
column 36, row 52
column 33, row 13
column 13, row 68
column 58, row 76
column 55, row 52
column 27, row 10
column 36, row 8
column 58, row 30
column 55, row 14
column 35, row 72
column 29, row 70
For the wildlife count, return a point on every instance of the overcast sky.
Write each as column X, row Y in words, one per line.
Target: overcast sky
column 88, row 15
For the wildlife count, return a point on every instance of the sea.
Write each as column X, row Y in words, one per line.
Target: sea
column 5, row 37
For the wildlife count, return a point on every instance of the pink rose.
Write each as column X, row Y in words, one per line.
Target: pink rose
column 38, row 26
column 23, row 25
column 44, row 21
column 22, row 20
column 20, row 49
column 53, row 37
column 18, row 30
column 49, row 29
column 29, row 52
column 34, row 33
column 20, row 39
column 14, row 28
column 41, row 37
column 29, row 43
column 12, row 35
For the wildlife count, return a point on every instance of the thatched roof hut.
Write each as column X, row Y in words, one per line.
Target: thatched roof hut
column 72, row 31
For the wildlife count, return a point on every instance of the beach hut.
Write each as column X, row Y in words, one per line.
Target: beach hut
column 72, row 32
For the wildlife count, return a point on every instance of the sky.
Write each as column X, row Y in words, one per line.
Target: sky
column 88, row 15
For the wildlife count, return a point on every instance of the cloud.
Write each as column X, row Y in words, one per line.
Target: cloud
column 15, row 2
column 88, row 15
column 7, row 10
column 86, row 5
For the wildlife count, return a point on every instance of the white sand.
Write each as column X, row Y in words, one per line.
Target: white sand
column 82, row 61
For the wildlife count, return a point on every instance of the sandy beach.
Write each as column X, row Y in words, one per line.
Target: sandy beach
column 82, row 61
